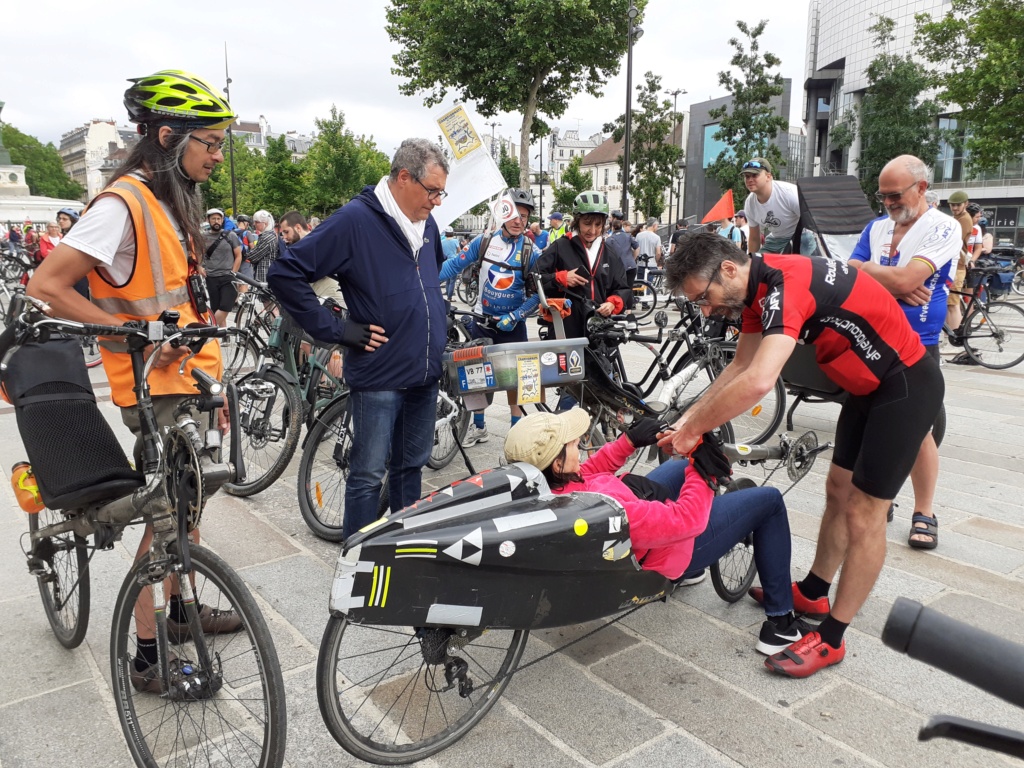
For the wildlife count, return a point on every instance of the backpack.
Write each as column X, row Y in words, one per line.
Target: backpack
column 524, row 259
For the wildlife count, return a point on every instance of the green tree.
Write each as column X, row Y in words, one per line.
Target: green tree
column 44, row 170
column 749, row 129
column 282, row 188
column 531, row 56
column 978, row 47
column 574, row 180
column 653, row 154
column 339, row 164
column 894, row 120
column 509, row 168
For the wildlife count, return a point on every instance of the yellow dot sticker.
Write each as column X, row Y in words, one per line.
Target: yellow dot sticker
column 580, row 526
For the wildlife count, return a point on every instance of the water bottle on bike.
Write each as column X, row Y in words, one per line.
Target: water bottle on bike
column 26, row 489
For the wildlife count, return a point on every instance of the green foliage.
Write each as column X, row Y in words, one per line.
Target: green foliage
column 509, row 168
column 528, row 56
column 44, row 170
column 752, row 125
column 282, row 188
column 339, row 164
column 652, row 153
column 978, row 47
column 894, row 120
column 574, row 180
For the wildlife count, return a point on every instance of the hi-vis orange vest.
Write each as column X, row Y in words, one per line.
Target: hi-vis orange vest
column 158, row 281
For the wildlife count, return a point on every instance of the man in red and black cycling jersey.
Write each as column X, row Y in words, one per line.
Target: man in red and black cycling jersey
column 865, row 344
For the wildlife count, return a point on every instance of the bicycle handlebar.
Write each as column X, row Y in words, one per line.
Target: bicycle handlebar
column 250, row 281
column 992, row 663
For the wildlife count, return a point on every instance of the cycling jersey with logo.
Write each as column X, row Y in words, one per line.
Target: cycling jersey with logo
column 860, row 334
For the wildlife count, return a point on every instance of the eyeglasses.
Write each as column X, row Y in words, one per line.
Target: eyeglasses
column 702, row 300
column 432, row 194
column 894, row 196
column 212, row 147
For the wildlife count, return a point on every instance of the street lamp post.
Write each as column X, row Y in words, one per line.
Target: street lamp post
column 540, row 180
column 231, row 140
column 494, row 153
column 675, row 119
column 635, row 33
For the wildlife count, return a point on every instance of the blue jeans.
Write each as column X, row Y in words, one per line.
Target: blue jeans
column 394, row 431
column 733, row 516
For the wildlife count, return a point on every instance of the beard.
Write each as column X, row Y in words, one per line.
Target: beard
column 216, row 227
column 902, row 215
column 732, row 304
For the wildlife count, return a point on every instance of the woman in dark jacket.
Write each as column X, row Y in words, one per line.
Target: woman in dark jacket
column 580, row 265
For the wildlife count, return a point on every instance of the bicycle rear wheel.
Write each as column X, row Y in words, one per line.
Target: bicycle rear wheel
column 1018, row 282
column 270, row 412
column 241, row 356
column 645, row 299
column 994, row 335
column 451, row 424
column 734, row 572
column 238, row 716
column 323, row 472
column 383, row 691
column 64, row 587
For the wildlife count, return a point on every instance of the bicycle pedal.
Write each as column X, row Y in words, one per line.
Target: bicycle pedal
column 39, row 568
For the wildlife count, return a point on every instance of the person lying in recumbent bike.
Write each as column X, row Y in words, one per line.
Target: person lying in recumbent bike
column 676, row 523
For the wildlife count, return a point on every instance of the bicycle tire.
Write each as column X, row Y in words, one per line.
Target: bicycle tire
column 451, row 423
column 758, row 424
column 352, row 690
column 241, row 357
column 1017, row 284
column 91, row 351
column 734, row 572
column 246, row 712
column 66, row 590
column 270, row 431
column 322, row 387
column 645, row 299
column 988, row 332
column 323, row 472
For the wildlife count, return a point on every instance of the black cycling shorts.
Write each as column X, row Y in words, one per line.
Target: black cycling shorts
column 222, row 292
column 879, row 435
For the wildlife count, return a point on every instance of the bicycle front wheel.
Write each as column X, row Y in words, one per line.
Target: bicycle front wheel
column 994, row 335
column 383, row 691
column 64, row 586
column 270, row 412
column 238, row 716
column 323, row 472
column 1018, row 282
column 734, row 572
column 645, row 299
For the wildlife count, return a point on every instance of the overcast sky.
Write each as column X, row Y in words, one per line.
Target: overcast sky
column 290, row 62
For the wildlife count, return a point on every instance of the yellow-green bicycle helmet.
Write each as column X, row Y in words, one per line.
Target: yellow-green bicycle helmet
column 176, row 97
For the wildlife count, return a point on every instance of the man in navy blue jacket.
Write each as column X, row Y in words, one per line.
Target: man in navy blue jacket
column 384, row 249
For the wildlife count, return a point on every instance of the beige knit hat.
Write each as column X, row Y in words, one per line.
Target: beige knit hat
column 538, row 438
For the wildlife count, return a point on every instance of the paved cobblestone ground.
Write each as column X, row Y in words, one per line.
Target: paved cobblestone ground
column 675, row 684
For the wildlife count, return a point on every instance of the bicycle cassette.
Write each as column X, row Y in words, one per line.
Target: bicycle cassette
column 802, row 453
column 183, row 478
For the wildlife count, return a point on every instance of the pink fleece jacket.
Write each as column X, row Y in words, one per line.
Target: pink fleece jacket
column 662, row 532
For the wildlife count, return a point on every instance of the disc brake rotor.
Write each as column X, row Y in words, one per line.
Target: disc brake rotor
column 182, row 476
column 801, row 456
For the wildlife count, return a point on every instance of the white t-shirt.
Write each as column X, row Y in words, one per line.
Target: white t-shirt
column 105, row 233
column 779, row 215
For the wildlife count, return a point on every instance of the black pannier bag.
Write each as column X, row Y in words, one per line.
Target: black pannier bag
column 76, row 459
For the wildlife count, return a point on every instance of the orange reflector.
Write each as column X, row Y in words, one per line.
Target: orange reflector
column 756, row 411
column 319, row 496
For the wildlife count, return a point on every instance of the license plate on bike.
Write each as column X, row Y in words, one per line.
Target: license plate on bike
column 476, row 377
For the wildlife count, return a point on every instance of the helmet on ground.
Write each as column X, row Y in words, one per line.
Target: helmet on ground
column 70, row 213
column 177, row 98
column 590, row 201
column 522, row 197
column 216, row 211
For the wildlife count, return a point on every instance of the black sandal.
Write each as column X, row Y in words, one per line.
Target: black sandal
column 931, row 528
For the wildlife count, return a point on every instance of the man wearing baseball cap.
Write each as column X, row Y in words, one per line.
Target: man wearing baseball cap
column 958, row 207
column 557, row 228
column 772, row 209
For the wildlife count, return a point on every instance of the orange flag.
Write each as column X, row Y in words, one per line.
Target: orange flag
column 724, row 209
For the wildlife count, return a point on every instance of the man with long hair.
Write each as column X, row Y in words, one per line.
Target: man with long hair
column 138, row 243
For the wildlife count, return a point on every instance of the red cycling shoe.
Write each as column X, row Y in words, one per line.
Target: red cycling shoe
column 806, row 656
column 812, row 609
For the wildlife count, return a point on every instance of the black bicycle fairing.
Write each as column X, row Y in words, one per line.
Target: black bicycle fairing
column 497, row 550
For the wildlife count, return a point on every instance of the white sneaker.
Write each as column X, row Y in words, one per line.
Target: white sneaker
column 475, row 435
column 689, row 582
